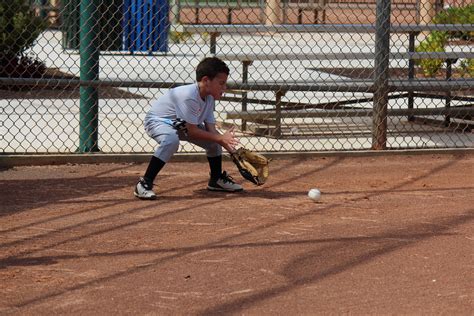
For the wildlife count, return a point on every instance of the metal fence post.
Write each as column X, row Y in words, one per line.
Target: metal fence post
column 449, row 73
column 245, row 77
column 89, row 70
column 382, row 52
column 411, row 72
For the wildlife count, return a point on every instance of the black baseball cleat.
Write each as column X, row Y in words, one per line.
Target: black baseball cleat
column 224, row 183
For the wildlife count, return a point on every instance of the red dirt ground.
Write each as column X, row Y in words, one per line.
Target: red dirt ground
column 392, row 234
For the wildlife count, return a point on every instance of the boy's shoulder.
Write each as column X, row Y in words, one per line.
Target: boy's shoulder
column 187, row 91
column 186, row 86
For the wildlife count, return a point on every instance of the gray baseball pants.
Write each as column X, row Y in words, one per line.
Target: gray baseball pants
column 168, row 140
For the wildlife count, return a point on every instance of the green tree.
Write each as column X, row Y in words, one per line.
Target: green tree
column 19, row 28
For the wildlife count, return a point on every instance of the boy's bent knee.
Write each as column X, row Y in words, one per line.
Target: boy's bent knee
column 169, row 145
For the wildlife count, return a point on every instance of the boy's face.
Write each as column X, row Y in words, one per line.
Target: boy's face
column 216, row 86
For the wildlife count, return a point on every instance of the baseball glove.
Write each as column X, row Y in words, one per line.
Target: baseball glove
column 252, row 166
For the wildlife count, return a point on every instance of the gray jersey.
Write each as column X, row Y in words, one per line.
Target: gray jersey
column 184, row 102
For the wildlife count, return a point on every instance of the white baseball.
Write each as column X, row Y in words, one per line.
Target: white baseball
column 314, row 194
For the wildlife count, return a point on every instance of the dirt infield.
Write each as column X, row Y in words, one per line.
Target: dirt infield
column 391, row 235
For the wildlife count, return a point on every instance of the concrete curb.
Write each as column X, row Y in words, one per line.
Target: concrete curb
column 8, row 161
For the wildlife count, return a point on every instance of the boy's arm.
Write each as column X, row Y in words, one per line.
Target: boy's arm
column 210, row 127
column 226, row 140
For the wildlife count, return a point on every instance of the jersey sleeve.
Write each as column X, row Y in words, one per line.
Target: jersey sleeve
column 188, row 110
column 209, row 115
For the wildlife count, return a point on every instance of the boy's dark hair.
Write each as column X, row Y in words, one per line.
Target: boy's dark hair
column 210, row 67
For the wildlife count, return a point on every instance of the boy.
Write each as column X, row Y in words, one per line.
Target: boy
column 187, row 113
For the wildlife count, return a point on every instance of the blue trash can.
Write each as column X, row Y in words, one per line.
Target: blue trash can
column 145, row 25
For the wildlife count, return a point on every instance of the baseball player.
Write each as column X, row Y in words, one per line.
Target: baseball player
column 187, row 113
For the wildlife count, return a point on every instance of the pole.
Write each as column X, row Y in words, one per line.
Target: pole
column 89, row 70
column 411, row 72
column 382, row 52
column 273, row 12
column 449, row 73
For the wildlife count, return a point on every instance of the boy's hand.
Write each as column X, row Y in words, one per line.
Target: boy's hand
column 226, row 140
column 229, row 141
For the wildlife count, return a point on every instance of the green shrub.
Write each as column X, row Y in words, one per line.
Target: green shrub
column 467, row 67
column 19, row 28
column 434, row 42
column 457, row 15
column 177, row 35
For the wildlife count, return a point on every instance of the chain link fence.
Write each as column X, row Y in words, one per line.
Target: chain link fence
column 313, row 75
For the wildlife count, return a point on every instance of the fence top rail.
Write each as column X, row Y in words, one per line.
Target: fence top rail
column 344, row 56
column 227, row 5
column 299, row 5
column 357, row 85
column 324, row 113
column 352, row 85
column 328, row 28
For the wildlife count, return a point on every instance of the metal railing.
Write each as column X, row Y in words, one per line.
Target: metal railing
column 310, row 11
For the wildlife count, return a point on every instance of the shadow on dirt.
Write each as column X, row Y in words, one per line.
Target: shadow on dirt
column 342, row 255
column 22, row 195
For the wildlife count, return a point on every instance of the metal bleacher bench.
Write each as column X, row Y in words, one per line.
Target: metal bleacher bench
column 293, row 110
column 214, row 30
